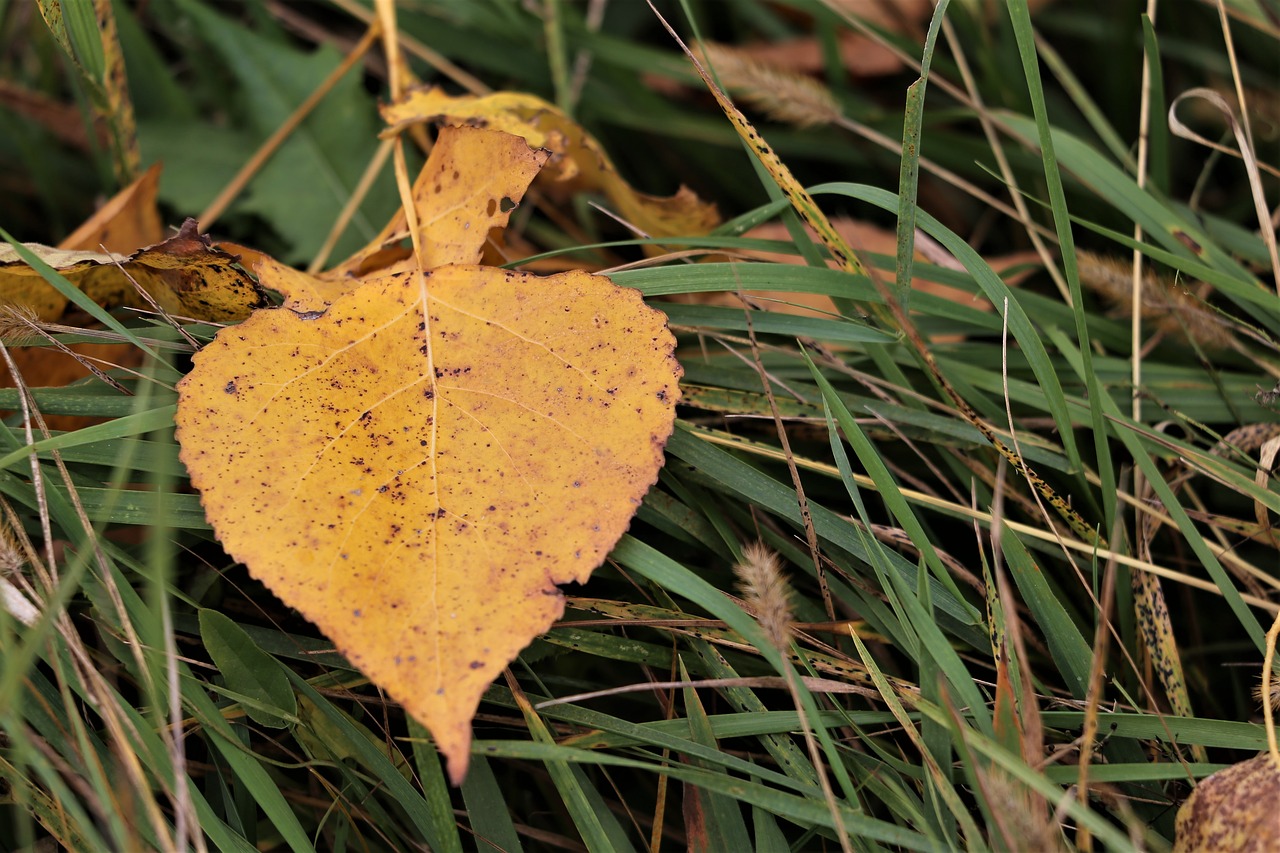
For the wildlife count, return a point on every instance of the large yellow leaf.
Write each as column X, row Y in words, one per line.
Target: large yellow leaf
column 577, row 160
column 418, row 466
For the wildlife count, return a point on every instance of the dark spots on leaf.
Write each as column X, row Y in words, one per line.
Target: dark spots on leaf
column 491, row 208
column 230, row 387
column 662, row 395
column 476, row 664
column 357, row 613
column 1185, row 239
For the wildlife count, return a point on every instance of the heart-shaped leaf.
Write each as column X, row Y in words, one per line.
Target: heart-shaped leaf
column 417, row 467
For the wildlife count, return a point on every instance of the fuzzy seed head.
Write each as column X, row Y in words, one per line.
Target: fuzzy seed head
column 18, row 325
column 766, row 593
column 1164, row 303
column 12, row 559
column 1273, row 689
column 781, row 95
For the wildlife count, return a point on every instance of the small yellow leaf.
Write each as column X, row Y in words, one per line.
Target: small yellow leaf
column 184, row 274
column 577, row 161
column 469, row 186
column 417, row 467
column 1236, row 810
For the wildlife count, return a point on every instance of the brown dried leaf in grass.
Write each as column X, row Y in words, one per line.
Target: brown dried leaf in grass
column 184, row 274
column 860, row 55
column 865, row 237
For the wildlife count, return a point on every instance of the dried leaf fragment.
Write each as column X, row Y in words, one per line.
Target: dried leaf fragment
column 418, row 466
column 577, row 163
column 184, row 274
column 131, row 218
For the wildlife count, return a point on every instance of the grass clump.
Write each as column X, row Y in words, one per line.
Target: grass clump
column 949, row 663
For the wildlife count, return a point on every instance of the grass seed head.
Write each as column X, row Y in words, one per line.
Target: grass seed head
column 781, row 95
column 766, row 592
column 1164, row 303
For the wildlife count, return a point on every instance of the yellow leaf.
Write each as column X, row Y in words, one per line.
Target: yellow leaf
column 469, row 186
column 188, row 277
column 577, row 161
column 184, row 274
column 1235, row 809
column 417, row 467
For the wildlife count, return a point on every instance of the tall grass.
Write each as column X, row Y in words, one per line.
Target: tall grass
column 956, row 667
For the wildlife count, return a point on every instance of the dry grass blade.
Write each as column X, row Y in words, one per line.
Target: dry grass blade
column 774, row 682
column 1245, row 151
column 237, row 184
